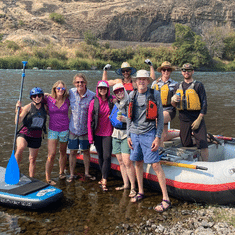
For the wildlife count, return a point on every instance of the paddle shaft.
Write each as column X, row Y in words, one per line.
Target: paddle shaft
column 20, row 98
column 183, row 165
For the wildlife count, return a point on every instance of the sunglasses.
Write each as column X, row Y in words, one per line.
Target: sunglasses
column 186, row 70
column 118, row 91
column 126, row 70
column 82, row 82
column 60, row 88
column 168, row 70
column 34, row 96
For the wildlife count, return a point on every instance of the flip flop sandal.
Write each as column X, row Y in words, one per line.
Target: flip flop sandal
column 51, row 182
column 100, row 182
column 121, row 188
column 90, row 177
column 62, row 176
column 104, row 187
column 132, row 193
column 163, row 208
column 71, row 178
column 137, row 197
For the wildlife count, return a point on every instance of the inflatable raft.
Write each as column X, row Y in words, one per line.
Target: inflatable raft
column 28, row 193
column 187, row 177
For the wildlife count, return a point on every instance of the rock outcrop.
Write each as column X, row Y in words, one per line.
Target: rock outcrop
column 133, row 20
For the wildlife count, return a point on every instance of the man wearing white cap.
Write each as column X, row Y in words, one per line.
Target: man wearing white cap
column 145, row 111
column 125, row 71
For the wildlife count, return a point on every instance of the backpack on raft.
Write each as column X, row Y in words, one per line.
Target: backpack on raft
column 114, row 121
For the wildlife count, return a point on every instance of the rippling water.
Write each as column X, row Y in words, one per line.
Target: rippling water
column 85, row 209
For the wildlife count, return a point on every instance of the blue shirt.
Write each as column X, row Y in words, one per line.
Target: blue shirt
column 79, row 107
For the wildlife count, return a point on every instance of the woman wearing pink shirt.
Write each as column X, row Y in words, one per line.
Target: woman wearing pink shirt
column 100, row 128
column 58, row 107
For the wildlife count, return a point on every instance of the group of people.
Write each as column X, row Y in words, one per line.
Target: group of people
column 136, row 135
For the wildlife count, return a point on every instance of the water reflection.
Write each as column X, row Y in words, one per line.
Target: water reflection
column 85, row 208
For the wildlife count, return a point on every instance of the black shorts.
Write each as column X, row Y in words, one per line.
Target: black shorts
column 172, row 114
column 34, row 143
column 200, row 134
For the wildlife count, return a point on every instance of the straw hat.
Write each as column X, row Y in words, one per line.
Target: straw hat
column 165, row 64
column 142, row 74
column 125, row 65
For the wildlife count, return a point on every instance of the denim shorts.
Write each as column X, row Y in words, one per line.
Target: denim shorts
column 63, row 136
column 120, row 146
column 142, row 147
column 75, row 141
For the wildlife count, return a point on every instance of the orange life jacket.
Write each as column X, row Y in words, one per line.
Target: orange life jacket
column 151, row 106
column 128, row 86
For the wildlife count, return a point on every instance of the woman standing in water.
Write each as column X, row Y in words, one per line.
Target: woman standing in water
column 100, row 128
column 120, row 145
column 33, row 116
column 58, row 107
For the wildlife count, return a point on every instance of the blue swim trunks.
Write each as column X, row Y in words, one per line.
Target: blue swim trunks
column 142, row 147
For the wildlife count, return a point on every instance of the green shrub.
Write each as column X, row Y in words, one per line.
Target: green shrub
column 3, row 63
column 58, row 18
column 56, row 64
column 36, row 62
column 91, row 39
column 12, row 45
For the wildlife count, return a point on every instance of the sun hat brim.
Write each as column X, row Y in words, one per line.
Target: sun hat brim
column 161, row 67
column 119, row 71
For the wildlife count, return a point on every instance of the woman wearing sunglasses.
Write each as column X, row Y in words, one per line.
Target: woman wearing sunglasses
column 119, row 142
column 58, row 107
column 33, row 116
column 165, row 85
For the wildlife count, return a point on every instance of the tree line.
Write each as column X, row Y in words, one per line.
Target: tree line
column 212, row 50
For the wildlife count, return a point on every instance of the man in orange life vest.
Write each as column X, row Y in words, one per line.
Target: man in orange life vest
column 125, row 71
column 190, row 99
column 145, row 109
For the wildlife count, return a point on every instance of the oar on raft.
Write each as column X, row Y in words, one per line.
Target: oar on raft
column 183, row 165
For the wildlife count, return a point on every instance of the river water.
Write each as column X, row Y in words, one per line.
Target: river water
column 85, row 209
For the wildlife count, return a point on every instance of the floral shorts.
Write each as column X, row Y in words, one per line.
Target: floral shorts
column 63, row 136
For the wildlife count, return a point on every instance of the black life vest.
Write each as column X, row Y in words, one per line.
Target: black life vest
column 36, row 119
column 151, row 106
column 95, row 112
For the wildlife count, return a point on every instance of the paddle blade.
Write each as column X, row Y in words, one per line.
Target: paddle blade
column 12, row 174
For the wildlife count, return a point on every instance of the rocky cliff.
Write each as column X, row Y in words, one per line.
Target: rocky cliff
column 132, row 20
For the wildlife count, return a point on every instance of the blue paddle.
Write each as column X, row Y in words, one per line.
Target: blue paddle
column 12, row 174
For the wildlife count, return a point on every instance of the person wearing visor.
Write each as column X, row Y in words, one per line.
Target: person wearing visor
column 100, row 128
column 144, row 130
column 119, row 141
column 33, row 116
column 126, row 71
column 165, row 85
column 191, row 101
column 58, row 108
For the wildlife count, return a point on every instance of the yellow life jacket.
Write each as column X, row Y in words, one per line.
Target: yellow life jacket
column 190, row 100
column 165, row 94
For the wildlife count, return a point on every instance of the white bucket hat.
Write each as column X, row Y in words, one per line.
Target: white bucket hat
column 118, row 86
column 125, row 65
column 142, row 74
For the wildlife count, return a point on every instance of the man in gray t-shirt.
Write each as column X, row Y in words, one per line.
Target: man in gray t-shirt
column 145, row 111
